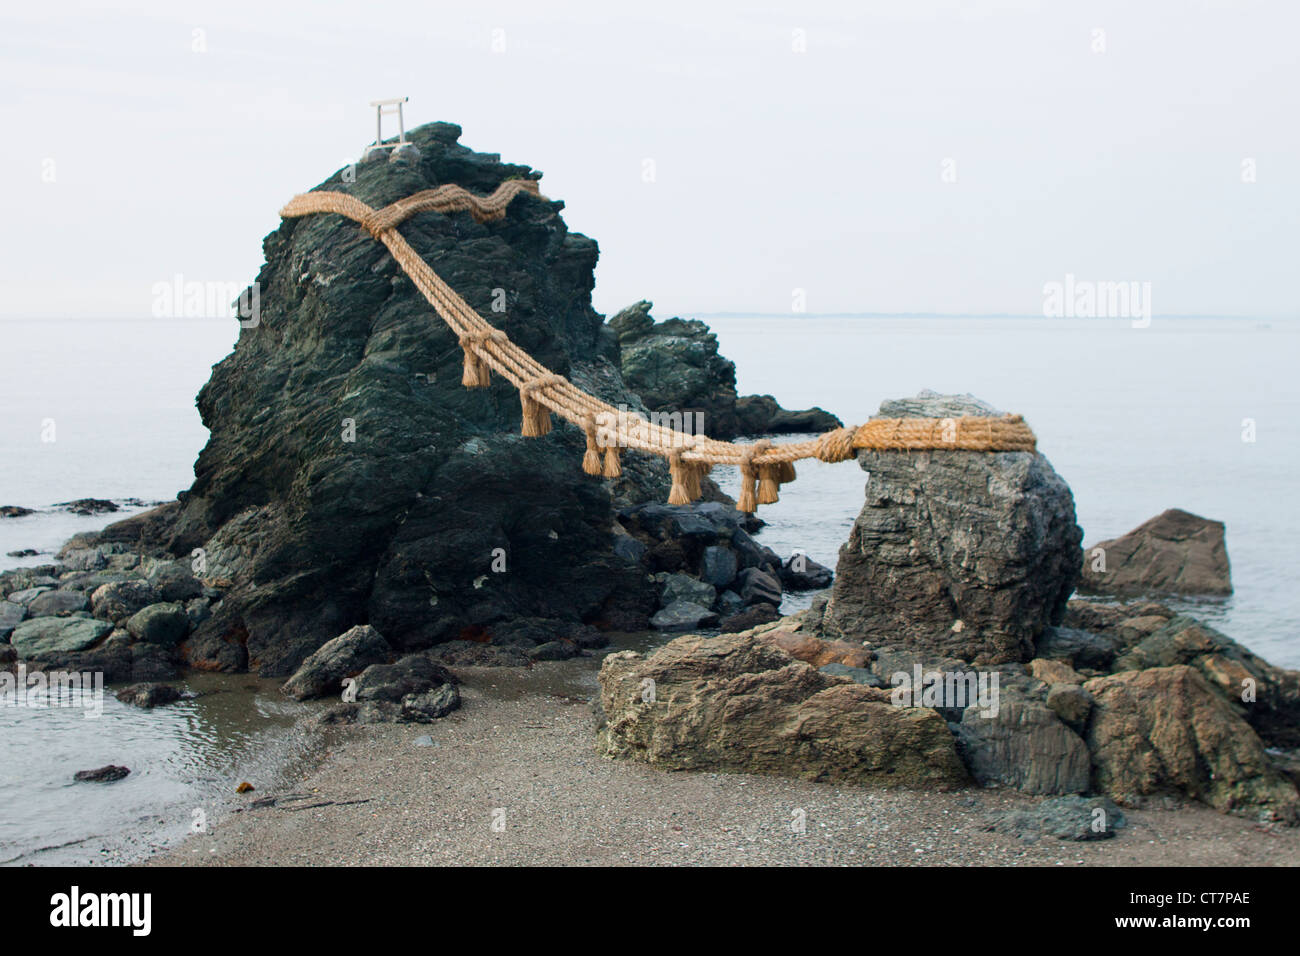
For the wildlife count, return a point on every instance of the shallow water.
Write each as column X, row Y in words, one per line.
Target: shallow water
column 186, row 759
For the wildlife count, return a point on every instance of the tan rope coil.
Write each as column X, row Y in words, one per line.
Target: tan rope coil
column 763, row 466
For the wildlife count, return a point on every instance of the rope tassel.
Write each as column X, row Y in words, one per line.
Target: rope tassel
column 591, row 463
column 613, row 467
column 536, row 416
column 748, row 501
column 678, row 469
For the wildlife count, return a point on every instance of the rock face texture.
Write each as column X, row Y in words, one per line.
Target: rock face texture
column 957, row 554
column 738, row 703
column 675, row 367
column 1163, row 731
column 1174, row 553
column 350, row 478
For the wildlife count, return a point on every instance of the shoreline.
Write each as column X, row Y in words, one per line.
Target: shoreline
column 524, row 743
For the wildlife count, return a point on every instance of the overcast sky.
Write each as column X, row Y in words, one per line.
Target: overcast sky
column 794, row 145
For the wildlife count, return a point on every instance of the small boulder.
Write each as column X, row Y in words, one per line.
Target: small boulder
column 683, row 587
column 165, row 624
column 149, row 695
column 1073, row 818
column 11, row 616
column 57, row 635
column 683, row 616
column 117, row 600
column 802, row 573
column 105, row 774
column 344, row 656
column 58, row 604
column 757, row 586
column 718, row 566
column 1174, row 553
column 751, row 616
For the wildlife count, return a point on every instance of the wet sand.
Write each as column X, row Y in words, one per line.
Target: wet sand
column 513, row 778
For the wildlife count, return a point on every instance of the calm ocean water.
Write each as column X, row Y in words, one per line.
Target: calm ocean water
column 1136, row 420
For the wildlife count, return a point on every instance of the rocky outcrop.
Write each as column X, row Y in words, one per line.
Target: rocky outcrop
column 1163, row 732
column 956, row 553
column 675, row 367
column 350, row 477
column 738, row 703
column 1174, row 553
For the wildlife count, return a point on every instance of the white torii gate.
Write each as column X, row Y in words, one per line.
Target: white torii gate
column 387, row 108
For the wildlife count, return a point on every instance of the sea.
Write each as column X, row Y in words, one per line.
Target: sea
column 1195, row 413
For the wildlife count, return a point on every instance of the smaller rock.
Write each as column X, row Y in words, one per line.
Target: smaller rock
column 165, row 624
column 105, row 774
column 344, row 656
column 150, row 695
column 117, row 600
column 1081, row 649
column 683, row 616
column 27, row 595
column 1174, row 553
column 11, row 615
column 718, row 566
column 1071, row 703
column 1051, row 671
column 245, row 787
column 57, row 604
column 57, row 635
column 554, row 651
column 802, row 573
column 1065, row 818
column 89, row 506
column 749, row 617
column 14, row 511
column 756, row 586
column 683, row 587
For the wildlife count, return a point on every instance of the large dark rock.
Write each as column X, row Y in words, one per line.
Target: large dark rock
column 1174, row 553
column 675, row 367
column 957, row 553
column 400, row 526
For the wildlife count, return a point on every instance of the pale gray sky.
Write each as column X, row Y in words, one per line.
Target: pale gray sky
column 775, row 169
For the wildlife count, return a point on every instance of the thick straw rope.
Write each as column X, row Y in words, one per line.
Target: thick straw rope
column 764, row 466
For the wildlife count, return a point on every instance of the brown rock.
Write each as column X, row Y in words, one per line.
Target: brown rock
column 806, row 647
column 1174, row 553
column 1164, row 732
column 1054, row 672
column 739, row 703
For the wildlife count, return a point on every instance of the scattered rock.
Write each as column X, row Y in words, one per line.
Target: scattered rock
column 1174, row 553
column 802, row 573
column 118, row 600
column 245, row 787
column 54, row 635
column 683, row 616
column 752, row 616
column 106, row 774
column 1079, row 649
column 683, row 587
column 165, row 623
column 58, row 604
column 1054, row 671
column 1071, row 703
column 345, row 656
column 756, row 586
column 475, row 654
column 150, row 695
column 10, row 616
column 89, row 506
column 14, row 511
column 554, row 651
column 1065, row 818
column 718, row 566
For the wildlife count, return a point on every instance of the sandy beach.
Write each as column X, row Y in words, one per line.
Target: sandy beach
column 519, row 754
